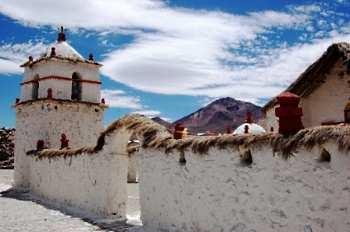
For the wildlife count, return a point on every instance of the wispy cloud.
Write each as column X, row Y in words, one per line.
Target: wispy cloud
column 119, row 99
column 196, row 52
column 12, row 54
column 148, row 113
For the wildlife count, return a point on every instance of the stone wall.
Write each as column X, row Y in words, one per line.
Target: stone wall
column 61, row 89
column 206, row 184
column 217, row 192
column 7, row 147
column 92, row 185
column 46, row 120
column 325, row 104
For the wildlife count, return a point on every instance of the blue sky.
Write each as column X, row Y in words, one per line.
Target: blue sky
column 169, row 58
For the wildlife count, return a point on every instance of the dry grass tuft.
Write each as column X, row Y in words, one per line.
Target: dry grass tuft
column 141, row 127
column 155, row 136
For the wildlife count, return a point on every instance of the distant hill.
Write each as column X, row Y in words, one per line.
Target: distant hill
column 162, row 122
column 220, row 114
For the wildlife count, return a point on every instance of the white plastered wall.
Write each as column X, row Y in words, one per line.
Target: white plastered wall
column 132, row 169
column 216, row 193
column 62, row 88
column 271, row 120
column 325, row 104
column 47, row 120
column 91, row 185
column 328, row 101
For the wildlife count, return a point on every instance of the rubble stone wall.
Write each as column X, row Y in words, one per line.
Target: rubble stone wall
column 7, row 147
column 62, row 88
column 46, row 120
column 206, row 184
column 93, row 185
column 216, row 192
column 325, row 104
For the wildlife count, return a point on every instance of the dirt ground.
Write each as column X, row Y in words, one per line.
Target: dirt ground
column 23, row 212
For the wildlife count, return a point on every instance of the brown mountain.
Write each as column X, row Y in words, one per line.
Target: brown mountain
column 162, row 122
column 219, row 115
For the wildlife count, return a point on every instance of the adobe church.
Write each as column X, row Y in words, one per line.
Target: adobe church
column 60, row 96
column 324, row 90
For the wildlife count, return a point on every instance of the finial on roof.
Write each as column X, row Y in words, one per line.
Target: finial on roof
column 61, row 36
column 91, row 57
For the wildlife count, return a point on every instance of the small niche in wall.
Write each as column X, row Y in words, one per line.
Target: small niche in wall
column 246, row 157
column 325, row 156
column 182, row 159
column 347, row 113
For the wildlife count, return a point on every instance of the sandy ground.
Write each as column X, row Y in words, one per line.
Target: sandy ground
column 23, row 212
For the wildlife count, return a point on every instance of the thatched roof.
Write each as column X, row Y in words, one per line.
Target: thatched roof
column 155, row 136
column 315, row 74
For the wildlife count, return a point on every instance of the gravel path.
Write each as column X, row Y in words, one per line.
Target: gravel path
column 22, row 212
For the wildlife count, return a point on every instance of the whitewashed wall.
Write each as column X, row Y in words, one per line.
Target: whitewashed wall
column 132, row 169
column 91, row 92
column 215, row 192
column 62, row 68
column 47, row 120
column 62, row 88
column 210, row 193
column 270, row 120
column 93, row 185
column 334, row 94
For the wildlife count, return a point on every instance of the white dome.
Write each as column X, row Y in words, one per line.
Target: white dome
column 64, row 50
column 252, row 129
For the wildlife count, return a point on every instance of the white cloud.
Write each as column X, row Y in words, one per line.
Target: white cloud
column 118, row 99
column 148, row 113
column 9, row 67
column 193, row 52
column 12, row 55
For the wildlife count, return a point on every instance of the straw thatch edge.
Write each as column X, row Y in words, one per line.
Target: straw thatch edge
column 154, row 136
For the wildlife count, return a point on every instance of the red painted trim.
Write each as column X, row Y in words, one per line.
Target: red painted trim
column 59, row 78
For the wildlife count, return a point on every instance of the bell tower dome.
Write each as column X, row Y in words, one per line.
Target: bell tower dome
column 60, row 95
column 63, row 70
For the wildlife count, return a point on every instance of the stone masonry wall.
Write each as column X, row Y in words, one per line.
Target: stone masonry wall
column 333, row 93
column 216, row 192
column 92, row 185
column 47, row 120
column 211, row 189
column 62, row 88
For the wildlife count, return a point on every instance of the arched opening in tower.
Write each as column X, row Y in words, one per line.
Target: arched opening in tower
column 76, row 87
column 35, row 87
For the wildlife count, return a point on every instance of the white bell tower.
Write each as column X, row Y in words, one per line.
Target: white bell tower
column 60, row 96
